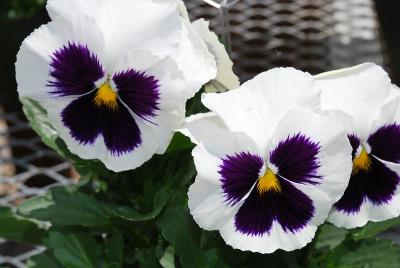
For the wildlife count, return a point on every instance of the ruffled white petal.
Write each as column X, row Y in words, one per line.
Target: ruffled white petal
column 388, row 114
column 368, row 212
column 206, row 198
column 225, row 75
column 139, row 25
column 57, row 8
column 34, row 56
column 358, row 91
column 214, row 141
column 211, row 133
column 194, row 60
column 182, row 9
column 258, row 105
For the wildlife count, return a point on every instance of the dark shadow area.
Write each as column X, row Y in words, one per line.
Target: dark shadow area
column 13, row 32
column 388, row 12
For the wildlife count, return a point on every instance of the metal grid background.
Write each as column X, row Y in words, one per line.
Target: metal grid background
column 312, row 35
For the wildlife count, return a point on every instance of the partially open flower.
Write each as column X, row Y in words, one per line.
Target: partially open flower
column 371, row 115
column 226, row 79
column 269, row 167
column 114, row 76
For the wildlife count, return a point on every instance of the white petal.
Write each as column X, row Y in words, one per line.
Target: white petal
column 388, row 114
column 57, row 8
column 225, row 74
column 358, row 91
column 194, row 60
column 258, row 105
column 34, row 56
column 206, row 198
column 345, row 120
column 139, row 25
column 335, row 150
column 210, row 132
column 369, row 211
column 182, row 9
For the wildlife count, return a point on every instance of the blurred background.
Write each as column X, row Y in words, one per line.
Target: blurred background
column 311, row 35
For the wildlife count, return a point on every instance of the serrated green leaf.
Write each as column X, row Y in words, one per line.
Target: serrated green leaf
column 372, row 229
column 13, row 227
column 330, row 236
column 370, row 253
column 64, row 206
column 74, row 250
column 44, row 260
column 178, row 228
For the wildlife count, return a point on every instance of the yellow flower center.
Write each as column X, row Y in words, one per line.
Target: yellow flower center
column 268, row 182
column 106, row 96
column 362, row 162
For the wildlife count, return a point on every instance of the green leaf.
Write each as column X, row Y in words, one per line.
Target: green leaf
column 373, row 228
column 74, row 250
column 37, row 117
column 195, row 106
column 44, row 260
column 179, row 142
column 130, row 214
column 147, row 258
column 64, row 206
column 114, row 251
column 13, row 227
column 370, row 253
column 178, row 228
column 330, row 236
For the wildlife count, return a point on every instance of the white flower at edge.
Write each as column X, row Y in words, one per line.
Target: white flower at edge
column 269, row 166
column 114, row 76
column 370, row 107
column 226, row 79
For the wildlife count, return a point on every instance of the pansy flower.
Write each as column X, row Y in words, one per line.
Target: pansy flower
column 114, row 76
column 370, row 107
column 269, row 167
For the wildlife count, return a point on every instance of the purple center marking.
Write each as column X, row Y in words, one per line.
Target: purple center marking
column 377, row 184
column 290, row 207
column 74, row 72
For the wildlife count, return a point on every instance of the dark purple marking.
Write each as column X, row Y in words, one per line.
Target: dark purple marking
column 139, row 91
column 291, row 208
column 74, row 70
column 296, row 159
column 378, row 185
column 238, row 175
column 86, row 122
column 385, row 143
column 355, row 143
